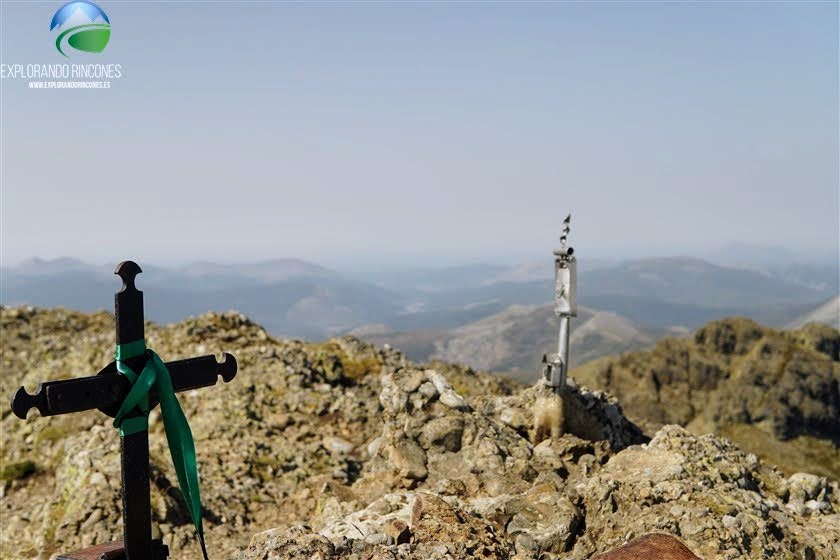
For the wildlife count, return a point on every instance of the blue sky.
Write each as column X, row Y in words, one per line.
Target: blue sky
column 421, row 133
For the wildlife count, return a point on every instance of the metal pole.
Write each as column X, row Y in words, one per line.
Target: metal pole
column 563, row 354
column 556, row 366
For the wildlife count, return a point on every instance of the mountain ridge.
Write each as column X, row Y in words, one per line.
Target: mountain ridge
column 765, row 388
column 298, row 298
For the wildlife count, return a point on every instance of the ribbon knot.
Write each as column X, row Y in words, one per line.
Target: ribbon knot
column 178, row 434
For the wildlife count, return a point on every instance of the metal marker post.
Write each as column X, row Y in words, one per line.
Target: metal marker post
column 556, row 366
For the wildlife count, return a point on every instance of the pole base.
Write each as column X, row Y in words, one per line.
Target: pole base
column 113, row 551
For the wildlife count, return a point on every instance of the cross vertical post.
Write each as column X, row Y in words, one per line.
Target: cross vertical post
column 134, row 448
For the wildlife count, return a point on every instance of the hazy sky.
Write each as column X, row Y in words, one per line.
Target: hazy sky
column 397, row 132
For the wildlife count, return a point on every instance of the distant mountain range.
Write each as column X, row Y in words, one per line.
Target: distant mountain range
column 291, row 297
column 490, row 316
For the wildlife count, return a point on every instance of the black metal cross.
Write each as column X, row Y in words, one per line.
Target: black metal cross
column 105, row 391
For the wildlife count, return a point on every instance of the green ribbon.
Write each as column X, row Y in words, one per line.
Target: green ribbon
column 178, row 434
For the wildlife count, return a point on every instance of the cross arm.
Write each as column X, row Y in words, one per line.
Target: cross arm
column 108, row 388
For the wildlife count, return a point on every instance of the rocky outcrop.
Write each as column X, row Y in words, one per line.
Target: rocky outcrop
column 776, row 393
column 297, row 418
column 292, row 420
column 342, row 450
column 719, row 501
column 434, row 489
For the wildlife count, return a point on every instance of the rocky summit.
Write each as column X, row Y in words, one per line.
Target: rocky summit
column 776, row 393
column 345, row 450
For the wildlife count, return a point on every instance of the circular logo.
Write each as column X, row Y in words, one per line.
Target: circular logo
column 82, row 26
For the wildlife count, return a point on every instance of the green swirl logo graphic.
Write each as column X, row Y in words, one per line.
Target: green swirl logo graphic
column 82, row 26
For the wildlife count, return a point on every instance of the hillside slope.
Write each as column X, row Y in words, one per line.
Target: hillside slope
column 776, row 393
column 513, row 341
column 827, row 313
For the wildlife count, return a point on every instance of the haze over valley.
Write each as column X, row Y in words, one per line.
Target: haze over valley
column 492, row 317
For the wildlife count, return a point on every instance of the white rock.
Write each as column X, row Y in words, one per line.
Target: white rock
column 338, row 445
